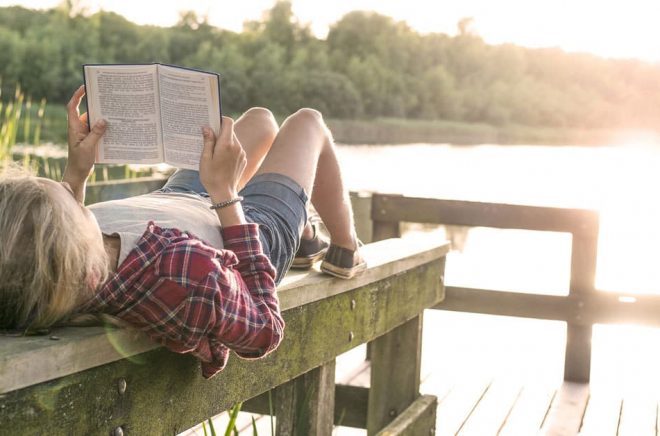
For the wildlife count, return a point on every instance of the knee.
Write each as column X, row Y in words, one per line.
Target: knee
column 309, row 114
column 263, row 118
column 260, row 112
column 307, row 117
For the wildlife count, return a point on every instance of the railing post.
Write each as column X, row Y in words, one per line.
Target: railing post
column 381, row 230
column 361, row 202
column 306, row 405
column 584, row 253
column 395, row 373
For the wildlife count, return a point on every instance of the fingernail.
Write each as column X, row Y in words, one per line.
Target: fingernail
column 101, row 123
column 206, row 131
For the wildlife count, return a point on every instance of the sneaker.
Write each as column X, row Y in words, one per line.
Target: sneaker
column 342, row 262
column 310, row 250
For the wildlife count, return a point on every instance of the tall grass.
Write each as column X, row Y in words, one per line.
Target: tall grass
column 18, row 114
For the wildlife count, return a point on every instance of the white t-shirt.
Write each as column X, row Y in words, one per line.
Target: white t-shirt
column 129, row 217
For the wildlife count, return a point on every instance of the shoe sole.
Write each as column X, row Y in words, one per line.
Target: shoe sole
column 342, row 273
column 307, row 262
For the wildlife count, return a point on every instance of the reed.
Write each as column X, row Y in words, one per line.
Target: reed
column 18, row 114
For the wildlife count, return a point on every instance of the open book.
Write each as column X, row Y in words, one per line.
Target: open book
column 155, row 112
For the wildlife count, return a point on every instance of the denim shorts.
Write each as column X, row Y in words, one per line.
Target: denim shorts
column 273, row 201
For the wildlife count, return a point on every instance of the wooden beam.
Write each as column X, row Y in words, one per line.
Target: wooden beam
column 350, row 405
column 159, row 381
column 305, row 405
column 396, row 208
column 30, row 360
column 598, row 308
column 518, row 304
column 584, row 252
column 417, row 419
column 395, row 371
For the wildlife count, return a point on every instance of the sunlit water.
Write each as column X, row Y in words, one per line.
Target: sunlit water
column 621, row 183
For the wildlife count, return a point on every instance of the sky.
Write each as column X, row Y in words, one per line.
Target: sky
column 619, row 29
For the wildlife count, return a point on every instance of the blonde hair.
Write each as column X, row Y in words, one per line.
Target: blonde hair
column 50, row 262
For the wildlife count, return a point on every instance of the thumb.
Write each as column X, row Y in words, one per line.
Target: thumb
column 227, row 130
column 96, row 133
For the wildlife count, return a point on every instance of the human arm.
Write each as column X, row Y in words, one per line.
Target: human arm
column 220, row 169
column 203, row 301
column 83, row 144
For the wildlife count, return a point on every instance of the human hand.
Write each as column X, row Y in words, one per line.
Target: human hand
column 222, row 163
column 82, row 143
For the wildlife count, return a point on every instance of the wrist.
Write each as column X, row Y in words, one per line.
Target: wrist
column 72, row 177
column 218, row 196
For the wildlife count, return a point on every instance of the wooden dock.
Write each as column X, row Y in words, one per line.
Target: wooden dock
column 114, row 381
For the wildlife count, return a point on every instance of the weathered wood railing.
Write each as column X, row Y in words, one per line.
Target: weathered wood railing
column 583, row 307
column 98, row 380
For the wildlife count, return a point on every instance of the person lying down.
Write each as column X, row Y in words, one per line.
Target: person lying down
column 195, row 264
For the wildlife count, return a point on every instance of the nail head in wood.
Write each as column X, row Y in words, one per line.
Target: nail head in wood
column 121, row 387
column 392, row 413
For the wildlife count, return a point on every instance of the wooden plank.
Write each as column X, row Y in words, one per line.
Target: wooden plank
column 567, row 410
column 493, row 409
column 417, row 419
column 598, row 308
column 306, row 404
column 657, row 419
column 350, row 405
column 552, row 307
column 438, row 384
column 456, row 408
column 30, row 360
column 529, row 411
column 396, row 359
column 602, row 415
column 638, row 415
column 396, row 208
column 384, row 258
column 161, row 381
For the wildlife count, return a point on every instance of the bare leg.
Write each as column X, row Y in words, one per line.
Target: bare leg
column 304, row 151
column 256, row 130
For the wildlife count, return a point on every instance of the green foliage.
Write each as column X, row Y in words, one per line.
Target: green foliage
column 369, row 66
column 19, row 119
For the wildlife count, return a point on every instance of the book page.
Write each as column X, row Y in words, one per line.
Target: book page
column 189, row 100
column 126, row 97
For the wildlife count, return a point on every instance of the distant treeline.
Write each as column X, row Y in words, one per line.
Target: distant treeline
column 369, row 66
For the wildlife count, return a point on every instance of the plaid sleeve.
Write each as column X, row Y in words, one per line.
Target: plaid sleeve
column 229, row 301
column 265, row 324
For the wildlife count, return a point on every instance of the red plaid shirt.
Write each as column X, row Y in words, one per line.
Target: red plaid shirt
column 192, row 298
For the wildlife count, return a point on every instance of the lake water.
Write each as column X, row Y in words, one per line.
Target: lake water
column 620, row 182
